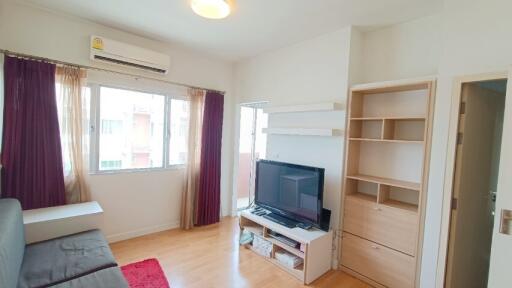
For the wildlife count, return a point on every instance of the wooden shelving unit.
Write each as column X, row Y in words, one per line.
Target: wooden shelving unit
column 386, row 158
column 386, row 181
column 387, row 140
column 388, row 129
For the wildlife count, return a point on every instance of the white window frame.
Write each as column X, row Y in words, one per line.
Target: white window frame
column 95, row 124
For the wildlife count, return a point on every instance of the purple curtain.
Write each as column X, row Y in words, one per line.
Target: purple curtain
column 208, row 198
column 31, row 153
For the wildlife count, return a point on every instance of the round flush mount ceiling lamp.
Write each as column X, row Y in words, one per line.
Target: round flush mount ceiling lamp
column 211, row 9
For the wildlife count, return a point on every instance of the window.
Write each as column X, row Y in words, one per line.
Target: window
column 126, row 119
column 111, row 126
column 111, row 164
column 179, row 120
column 125, row 129
column 137, row 130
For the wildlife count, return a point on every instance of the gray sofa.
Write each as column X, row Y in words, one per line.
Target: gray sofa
column 74, row 261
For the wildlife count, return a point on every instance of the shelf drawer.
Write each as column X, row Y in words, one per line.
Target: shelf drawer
column 383, row 265
column 392, row 227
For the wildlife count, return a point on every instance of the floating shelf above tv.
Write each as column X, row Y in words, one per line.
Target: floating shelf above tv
column 313, row 107
column 304, row 131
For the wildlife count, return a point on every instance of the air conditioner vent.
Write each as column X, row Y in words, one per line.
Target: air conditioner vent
column 118, row 53
column 126, row 63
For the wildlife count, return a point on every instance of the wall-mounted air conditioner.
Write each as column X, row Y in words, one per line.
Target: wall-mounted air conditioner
column 114, row 52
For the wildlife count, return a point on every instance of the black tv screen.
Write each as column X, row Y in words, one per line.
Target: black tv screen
column 294, row 191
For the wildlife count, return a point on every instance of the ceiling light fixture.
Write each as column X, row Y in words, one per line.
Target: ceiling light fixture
column 211, row 9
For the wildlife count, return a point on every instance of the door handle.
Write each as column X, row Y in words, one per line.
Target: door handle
column 506, row 222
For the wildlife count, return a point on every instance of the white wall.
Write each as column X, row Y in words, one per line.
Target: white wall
column 466, row 38
column 406, row 50
column 473, row 42
column 134, row 203
column 311, row 71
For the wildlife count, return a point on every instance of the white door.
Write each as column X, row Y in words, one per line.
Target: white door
column 472, row 218
column 500, row 274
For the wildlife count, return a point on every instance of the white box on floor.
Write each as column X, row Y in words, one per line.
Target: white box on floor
column 262, row 246
column 288, row 259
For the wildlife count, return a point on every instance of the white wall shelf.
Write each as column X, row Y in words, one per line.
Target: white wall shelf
column 314, row 107
column 304, row 131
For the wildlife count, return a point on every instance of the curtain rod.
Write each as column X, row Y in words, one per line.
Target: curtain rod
column 58, row 62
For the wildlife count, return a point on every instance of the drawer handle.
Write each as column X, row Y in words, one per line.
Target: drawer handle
column 375, row 247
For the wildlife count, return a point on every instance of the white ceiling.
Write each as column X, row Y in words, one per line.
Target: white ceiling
column 254, row 27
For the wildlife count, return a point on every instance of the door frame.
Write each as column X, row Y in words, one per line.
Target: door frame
column 450, row 165
column 236, row 158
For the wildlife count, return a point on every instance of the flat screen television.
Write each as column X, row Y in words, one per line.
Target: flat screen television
column 293, row 191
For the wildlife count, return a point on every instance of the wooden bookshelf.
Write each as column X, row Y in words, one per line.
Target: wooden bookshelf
column 389, row 118
column 386, row 181
column 388, row 140
column 363, row 197
column 387, row 149
column 401, row 205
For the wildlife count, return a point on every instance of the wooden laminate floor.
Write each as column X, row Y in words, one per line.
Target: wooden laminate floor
column 210, row 257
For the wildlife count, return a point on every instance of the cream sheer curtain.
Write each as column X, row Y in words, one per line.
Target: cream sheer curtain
column 70, row 98
column 188, row 200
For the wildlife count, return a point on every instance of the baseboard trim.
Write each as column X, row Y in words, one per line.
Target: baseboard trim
column 141, row 232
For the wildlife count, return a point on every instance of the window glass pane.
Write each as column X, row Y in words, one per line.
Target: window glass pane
column 131, row 133
column 179, row 121
column 245, row 156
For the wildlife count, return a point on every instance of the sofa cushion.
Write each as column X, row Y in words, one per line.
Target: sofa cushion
column 106, row 278
column 61, row 259
column 12, row 242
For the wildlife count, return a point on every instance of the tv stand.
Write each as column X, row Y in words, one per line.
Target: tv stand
column 316, row 252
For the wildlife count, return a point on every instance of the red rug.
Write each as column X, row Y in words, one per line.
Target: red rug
column 145, row 274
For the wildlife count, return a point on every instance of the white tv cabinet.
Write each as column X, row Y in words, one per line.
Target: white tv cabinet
column 318, row 246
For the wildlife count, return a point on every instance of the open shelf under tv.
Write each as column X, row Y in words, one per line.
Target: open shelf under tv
column 316, row 246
